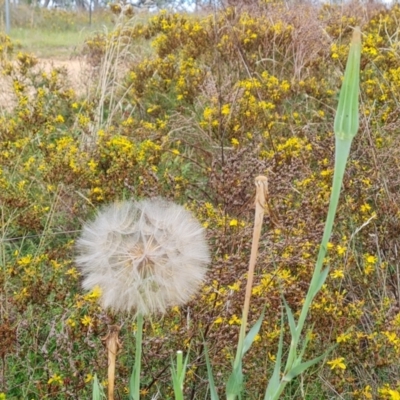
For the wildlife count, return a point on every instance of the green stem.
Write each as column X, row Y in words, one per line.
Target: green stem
column 342, row 151
column 138, row 356
column 179, row 376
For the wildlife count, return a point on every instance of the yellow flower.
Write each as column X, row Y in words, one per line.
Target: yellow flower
column 208, row 113
column 394, row 394
column 235, row 287
column 92, row 165
column 392, row 337
column 233, row 222
column 337, row 363
column 340, row 249
column 235, row 142
column 225, row 110
column 396, row 320
column 73, row 272
column 370, row 259
column 88, row 378
column 343, row 337
column 337, row 273
column 367, row 392
column 234, row 320
column 86, row 320
column 55, row 379
column 368, row 269
column 25, row 261
column 365, row 208
column 59, row 119
column 95, row 293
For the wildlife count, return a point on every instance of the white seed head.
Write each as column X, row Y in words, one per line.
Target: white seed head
column 145, row 256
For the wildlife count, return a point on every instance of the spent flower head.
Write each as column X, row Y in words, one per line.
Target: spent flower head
column 145, row 256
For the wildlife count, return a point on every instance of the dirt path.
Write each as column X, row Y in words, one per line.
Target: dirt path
column 79, row 78
column 77, row 70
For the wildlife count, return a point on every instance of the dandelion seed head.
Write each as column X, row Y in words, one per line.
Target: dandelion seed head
column 145, row 256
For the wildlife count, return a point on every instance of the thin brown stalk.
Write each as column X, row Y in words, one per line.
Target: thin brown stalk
column 113, row 345
column 261, row 183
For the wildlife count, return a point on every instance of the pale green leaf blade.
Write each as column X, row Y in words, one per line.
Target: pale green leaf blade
column 132, row 384
column 274, row 383
column 234, row 386
column 97, row 393
column 299, row 369
column 249, row 339
column 347, row 118
column 320, row 281
column 213, row 390
column 292, row 322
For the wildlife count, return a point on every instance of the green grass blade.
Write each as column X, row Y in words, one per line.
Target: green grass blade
column 134, row 382
column 292, row 322
column 184, row 367
column 274, row 382
column 321, row 280
column 178, row 374
column 132, row 385
column 347, row 118
column 249, row 339
column 97, row 393
column 234, row 386
column 303, row 349
column 175, row 383
column 299, row 369
column 213, row 390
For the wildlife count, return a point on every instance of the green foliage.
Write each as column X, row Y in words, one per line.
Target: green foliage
column 178, row 374
column 98, row 392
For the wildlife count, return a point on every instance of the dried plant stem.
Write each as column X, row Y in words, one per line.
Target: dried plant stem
column 113, row 345
column 260, row 202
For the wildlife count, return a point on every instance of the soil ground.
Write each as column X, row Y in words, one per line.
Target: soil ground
column 78, row 76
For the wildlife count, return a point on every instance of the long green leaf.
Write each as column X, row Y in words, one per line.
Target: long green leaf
column 97, row 393
column 292, row 322
column 347, row 118
column 274, row 382
column 213, row 390
column 299, row 369
column 132, row 384
column 320, row 281
column 178, row 374
column 303, row 349
column 234, row 385
column 249, row 339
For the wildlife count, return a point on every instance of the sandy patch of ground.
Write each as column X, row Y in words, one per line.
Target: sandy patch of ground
column 79, row 76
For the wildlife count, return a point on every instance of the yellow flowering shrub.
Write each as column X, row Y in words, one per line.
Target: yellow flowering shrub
column 211, row 102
